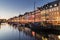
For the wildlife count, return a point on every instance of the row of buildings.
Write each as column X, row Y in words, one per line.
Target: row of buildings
column 49, row 13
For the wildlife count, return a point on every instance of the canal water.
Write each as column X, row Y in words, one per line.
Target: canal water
column 10, row 32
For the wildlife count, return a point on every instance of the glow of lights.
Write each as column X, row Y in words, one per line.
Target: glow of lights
column 59, row 36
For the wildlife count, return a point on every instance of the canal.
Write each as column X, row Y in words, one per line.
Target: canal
column 9, row 32
column 13, row 32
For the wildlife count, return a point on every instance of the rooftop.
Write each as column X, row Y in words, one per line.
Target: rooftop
column 49, row 5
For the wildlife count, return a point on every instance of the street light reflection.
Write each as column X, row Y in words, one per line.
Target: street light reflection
column 33, row 33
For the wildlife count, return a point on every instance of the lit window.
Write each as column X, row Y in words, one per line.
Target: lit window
column 57, row 8
column 50, row 5
column 44, row 11
column 46, row 7
column 50, row 10
column 52, row 13
column 58, row 13
column 54, row 9
column 55, row 13
column 55, row 4
column 41, row 11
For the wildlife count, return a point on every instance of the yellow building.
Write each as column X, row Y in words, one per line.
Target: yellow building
column 51, row 12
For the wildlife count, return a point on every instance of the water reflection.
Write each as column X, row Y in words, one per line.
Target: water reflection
column 0, row 26
column 14, row 32
column 39, row 35
column 9, row 32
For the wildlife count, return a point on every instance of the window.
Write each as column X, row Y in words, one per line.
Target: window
column 52, row 14
column 57, row 13
column 47, row 11
column 56, row 8
column 50, row 6
column 50, row 10
column 44, row 11
column 46, row 7
column 55, row 4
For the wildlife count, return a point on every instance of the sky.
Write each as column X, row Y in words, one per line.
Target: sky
column 11, row 8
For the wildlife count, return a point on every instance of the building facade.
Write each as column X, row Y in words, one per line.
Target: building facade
column 51, row 12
